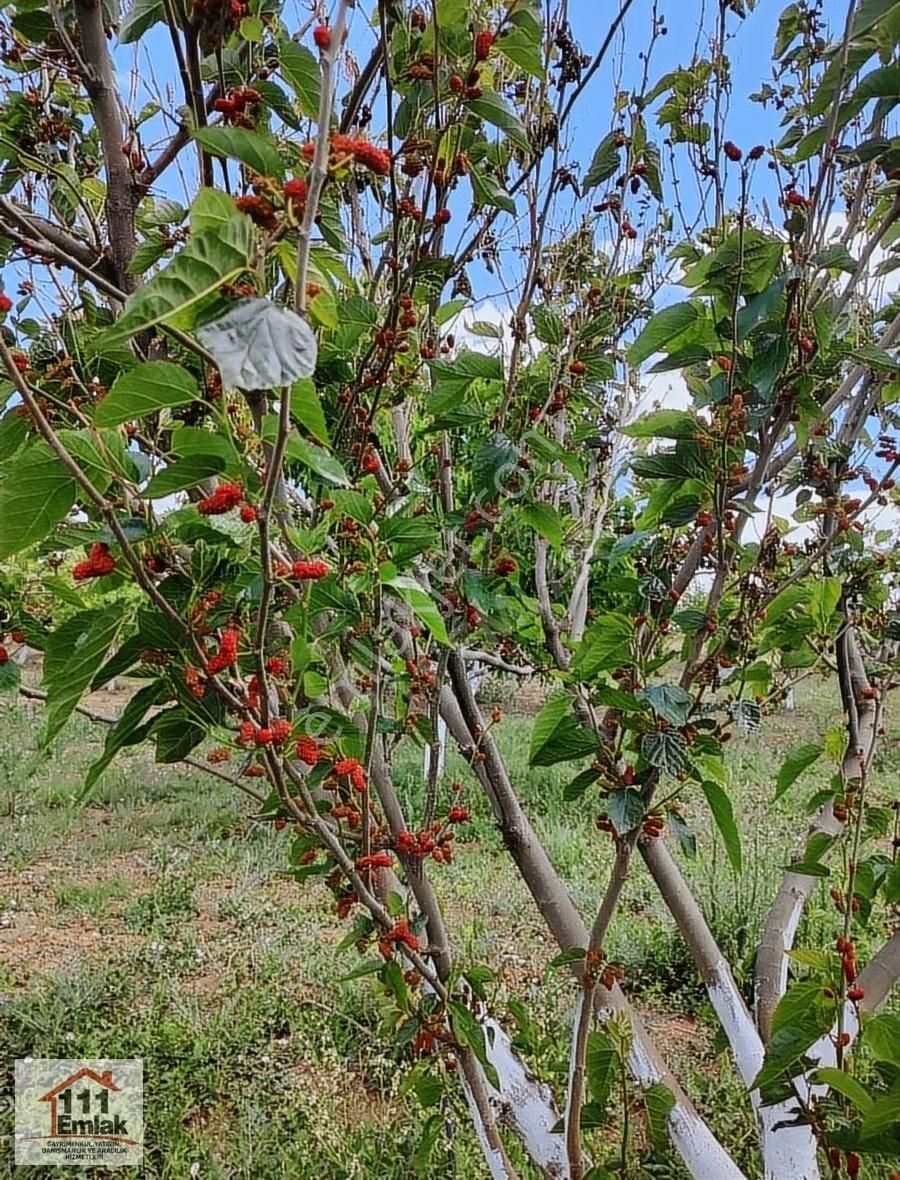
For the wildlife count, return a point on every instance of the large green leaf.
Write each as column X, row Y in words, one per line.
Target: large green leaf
column 211, row 209
column 625, row 808
column 492, row 108
column 71, row 661
column 301, row 450
column 666, row 325
column 794, row 765
column 421, row 603
column 557, row 736
column 845, row 1084
column 723, row 814
column 301, row 71
column 211, row 257
column 184, row 473
column 601, row 1064
column 153, row 386
column 307, row 409
column 141, row 16
column 36, row 492
column 666, row 750
column 605, row 162
column 238, row 143
column 751, row 257
column 669, row 701
column 606, row 644
column 546, row 520
column 881, row 1035
column 823, row 602
column 663, row 424
column 128, row 731
column 659, row 1102
column 176, row 733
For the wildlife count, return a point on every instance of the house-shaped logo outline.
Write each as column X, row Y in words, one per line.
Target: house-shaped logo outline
column 105, row 1079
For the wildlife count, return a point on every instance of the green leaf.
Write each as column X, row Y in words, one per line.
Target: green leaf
column 127, row 731
column 300, row 70
column 836, row 257
column 365, row 967
column 307, row 409
column 868, row 15
column 557, row 735
column 666, row 751
column 148, row 253
column 805, row 998
column 546, row 520
column 488, row 191
column 663, row 424
column 176, row 734
column 823, row 601
column 605, row 163
column 258, row 344
column 548, row 326
column 606, row 644
column 210, row 258
column 421, row 603
column 71, row 661
column 723, row 814
column 466, row 368
column 659, row 1102
column 794, row 765
column 625, row 808
column 670, row 701
column 523, row 50
column 844, row 1084
column 152, row 386
column 36, row 492
column 182, row 474
column 601, row 1063
column 211, row 209
column 469, row 1032
column 315, row 458
column 881, row 1035
column 574, row 954
column 141, row 16
column 883, row 1115
column 238, row 143
column 666, row 325
column 492, row 108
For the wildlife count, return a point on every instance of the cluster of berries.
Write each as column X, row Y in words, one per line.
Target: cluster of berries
column 399, row 934
column 234, row 106
column 345, row 149
column 275, row 734
column 847, row 950
column 351, row 769
column 375, row 860
column 5, row 303
column 100, row 562
column 430, row 841
column 295, row 193
column 260, row 211
column 227, row 653
column 224, row 498
column 306, row 571
column 309, row 751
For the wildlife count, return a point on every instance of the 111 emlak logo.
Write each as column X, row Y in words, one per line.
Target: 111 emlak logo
column 83, row 1113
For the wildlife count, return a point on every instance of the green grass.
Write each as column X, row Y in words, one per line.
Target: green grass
column 156, row 921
